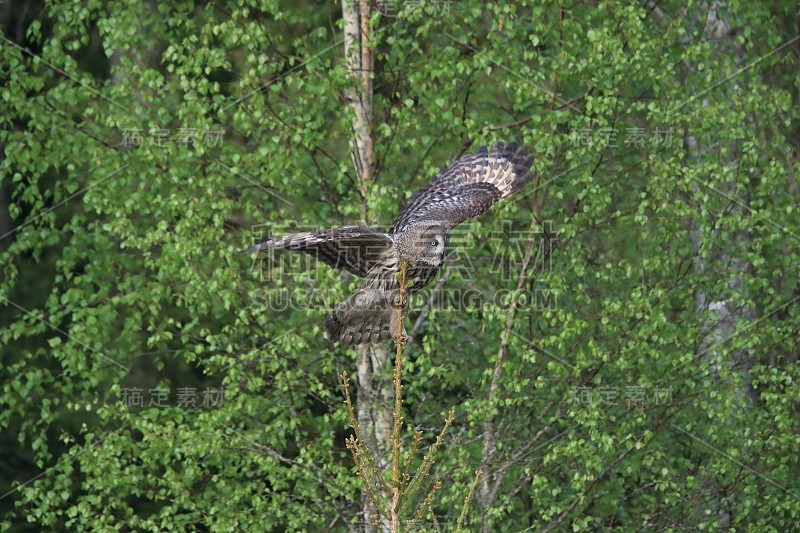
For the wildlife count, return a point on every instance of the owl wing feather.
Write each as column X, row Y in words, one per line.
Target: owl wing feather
column 367, row 316
column 464, row 190
column 355, row 249
column 468, row 187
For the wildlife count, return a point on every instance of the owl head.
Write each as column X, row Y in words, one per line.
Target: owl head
column 424, row 243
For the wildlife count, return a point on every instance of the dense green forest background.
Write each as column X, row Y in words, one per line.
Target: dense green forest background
column 619, row 341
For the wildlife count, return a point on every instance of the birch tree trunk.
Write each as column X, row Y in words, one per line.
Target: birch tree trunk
column 727, row 261
column 374, row 396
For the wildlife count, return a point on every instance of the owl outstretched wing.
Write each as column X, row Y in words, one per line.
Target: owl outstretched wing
column 355, row 249
column 367, row 316
column 468, row 187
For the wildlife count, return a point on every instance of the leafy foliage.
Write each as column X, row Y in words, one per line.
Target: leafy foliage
column 664, row 261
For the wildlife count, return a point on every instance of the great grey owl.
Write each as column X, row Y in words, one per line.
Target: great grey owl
column 420, row 235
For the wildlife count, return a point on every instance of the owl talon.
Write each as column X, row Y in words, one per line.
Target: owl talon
column 400, row 302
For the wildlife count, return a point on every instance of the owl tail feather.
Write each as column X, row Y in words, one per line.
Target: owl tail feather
column 367, row 316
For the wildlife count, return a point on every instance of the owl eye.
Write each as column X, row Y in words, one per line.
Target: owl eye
column 434, row 243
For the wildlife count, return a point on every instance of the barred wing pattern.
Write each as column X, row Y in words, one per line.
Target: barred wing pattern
column 355, row 249
column 464, row 190
column 468, row 187
column 367, row 316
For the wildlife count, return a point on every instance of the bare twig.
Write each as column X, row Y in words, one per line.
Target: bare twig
column 489, row 427
column 400, row 340
column 465, row 508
